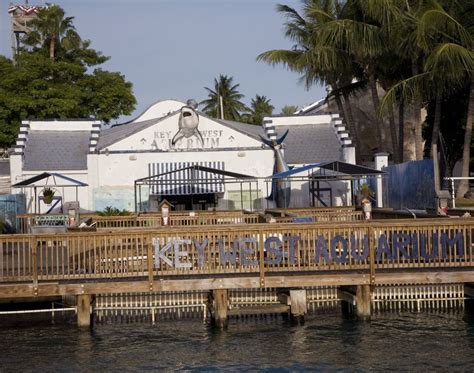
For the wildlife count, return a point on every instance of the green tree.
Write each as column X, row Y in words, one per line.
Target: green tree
column 363, row 30
column 51, row 29
column 260, row 107
column 289, row 109
column 447, row 69
column 70, row 85
column 315, row 62
column 226, row 95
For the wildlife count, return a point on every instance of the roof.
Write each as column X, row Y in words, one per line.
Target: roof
column 348, row 169
column 300, row 143
column 311, row 143
column 45, row 175
column 56, row 150
column 119, row 132
column 251, row 130
column 335, row 168
column 5, row 167
column 309, row 108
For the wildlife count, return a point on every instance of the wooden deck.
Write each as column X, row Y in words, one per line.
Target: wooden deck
column 239, row 255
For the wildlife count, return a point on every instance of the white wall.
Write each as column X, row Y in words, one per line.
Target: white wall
column 299, row 120
column 61, row 125
column 114, row 174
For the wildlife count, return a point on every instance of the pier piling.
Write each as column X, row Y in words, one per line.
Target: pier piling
column 219, row 306
column 298, row 305
column 83, row 302
column 363, row 301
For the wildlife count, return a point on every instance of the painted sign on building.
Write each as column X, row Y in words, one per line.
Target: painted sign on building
column 163, row 140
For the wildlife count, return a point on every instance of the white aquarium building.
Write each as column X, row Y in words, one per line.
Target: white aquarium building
column 102, row 164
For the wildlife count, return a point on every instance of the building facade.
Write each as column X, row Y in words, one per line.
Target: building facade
column 110, row 160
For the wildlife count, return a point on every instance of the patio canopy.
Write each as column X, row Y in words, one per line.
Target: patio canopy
column 31, row 182
column 195, row 179
column 331, row 170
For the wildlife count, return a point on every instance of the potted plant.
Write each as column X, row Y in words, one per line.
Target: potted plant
column 365, row 191
column 48, row 195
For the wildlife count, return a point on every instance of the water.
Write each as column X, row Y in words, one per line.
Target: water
column 436, row 341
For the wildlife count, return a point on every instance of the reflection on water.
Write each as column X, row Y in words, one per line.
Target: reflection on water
column 394, row 341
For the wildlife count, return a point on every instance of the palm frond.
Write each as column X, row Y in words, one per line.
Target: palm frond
column 452, row 61
column 405, row 90
column 437, row 22
column 357, row 38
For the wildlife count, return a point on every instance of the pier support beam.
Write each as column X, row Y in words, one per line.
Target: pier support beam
column 83, row 303
column 358, row 297
column 363, row 301
column 219, row 306
column 298, row 305
column 296, row 300
column 469, row 300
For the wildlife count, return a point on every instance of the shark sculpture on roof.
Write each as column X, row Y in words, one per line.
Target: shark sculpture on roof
column 281, row 187
column 188, row 123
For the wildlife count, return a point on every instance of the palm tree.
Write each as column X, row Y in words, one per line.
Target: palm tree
column 289, row 109
column 51, row 29
column 448, row 65
column 224, row 97
column 260, row 107
column 362, row 31
column 316, row 63
column 452, row 61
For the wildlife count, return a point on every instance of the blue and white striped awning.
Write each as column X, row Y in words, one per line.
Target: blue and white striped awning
column 179, row 178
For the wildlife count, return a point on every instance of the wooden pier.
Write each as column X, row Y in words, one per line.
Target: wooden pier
column 351, row 254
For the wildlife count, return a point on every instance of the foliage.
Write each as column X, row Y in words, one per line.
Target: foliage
column 365, row 191
column 225, row 88
column 70, row 85
column 419, row 51
column 317, row 61
column 452, row 111
column 289, row 109
column 51, row 30
column 260, row 107
column 48, row 195
column 113, row 211
column 48, row 192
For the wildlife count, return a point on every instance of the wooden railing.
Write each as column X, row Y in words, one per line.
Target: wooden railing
column 261, row 249
column 321, row 216
column 173, row 220
column 151, row 220
column 308, row 210
column 154, row 219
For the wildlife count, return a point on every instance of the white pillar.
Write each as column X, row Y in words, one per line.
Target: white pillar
column 349, row 154
column 381, row 161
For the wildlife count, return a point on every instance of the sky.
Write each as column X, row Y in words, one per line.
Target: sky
column 175, row 48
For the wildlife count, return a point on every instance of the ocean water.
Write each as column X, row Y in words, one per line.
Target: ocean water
column 406, row 341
